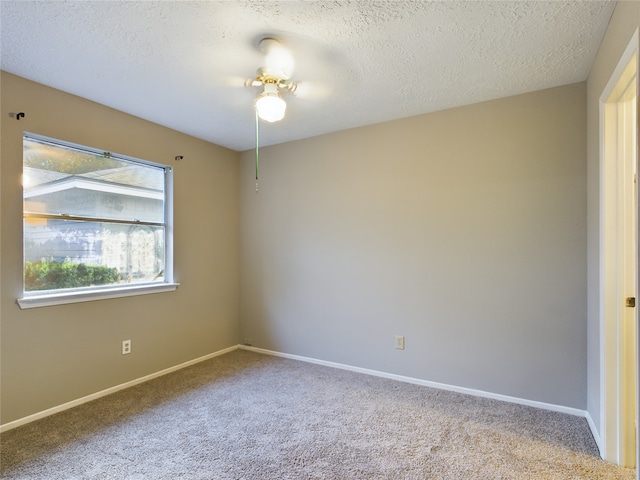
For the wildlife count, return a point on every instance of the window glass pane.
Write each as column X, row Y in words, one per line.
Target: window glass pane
column 72, row 254
column 91, row 219
column 63, row 180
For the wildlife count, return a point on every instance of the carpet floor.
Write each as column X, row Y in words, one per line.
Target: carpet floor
column 245, row 415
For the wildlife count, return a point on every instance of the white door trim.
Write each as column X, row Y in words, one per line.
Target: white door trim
column 613, row 425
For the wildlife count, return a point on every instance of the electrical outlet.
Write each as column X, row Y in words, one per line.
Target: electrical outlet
column 247, row 342
column 399, row 342
column 126, row 347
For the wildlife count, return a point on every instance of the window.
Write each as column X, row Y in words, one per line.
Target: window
column 96, row 224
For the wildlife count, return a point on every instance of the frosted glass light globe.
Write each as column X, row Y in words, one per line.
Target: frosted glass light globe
column 271, row 107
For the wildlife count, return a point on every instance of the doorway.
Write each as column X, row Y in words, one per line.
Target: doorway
column 618, row 260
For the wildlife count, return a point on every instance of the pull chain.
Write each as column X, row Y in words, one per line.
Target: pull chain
column 257, row 150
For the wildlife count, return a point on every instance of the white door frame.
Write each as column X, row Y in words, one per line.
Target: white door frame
column 617, row 422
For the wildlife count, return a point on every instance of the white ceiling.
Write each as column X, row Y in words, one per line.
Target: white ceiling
column 182, row 64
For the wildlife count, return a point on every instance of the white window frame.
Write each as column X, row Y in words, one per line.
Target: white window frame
column 33, row 299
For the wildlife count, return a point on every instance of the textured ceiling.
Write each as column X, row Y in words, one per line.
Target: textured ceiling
column 182, row 64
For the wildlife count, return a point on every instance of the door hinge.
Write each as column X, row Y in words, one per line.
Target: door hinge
column 630, row 302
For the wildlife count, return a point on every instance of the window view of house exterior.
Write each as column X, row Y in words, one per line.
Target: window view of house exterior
column 91, row 219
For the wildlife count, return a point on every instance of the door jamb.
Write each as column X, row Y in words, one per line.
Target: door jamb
column 610, row 424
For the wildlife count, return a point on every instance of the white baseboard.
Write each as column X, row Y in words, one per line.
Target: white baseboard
column 426, row 383
column 74, row 403
column 441, row 386
column 594, row 432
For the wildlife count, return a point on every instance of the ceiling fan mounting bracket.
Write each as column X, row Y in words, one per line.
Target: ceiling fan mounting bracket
column 263, row 78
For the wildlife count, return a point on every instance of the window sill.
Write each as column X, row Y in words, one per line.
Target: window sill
column 103, row 294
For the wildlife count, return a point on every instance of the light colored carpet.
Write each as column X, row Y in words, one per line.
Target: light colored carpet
column 244, row 415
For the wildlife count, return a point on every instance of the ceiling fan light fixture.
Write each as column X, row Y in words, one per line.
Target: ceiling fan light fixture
column 270, row 105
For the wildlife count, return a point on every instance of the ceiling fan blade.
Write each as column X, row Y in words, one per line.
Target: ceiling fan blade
column 231, row 81
column 312, row 90
column 278, row 60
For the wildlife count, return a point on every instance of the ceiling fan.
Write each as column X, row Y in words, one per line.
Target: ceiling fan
column 275, row 80
column 274, row 77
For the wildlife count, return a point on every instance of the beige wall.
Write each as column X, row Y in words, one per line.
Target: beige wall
column 53, row 355
column 464, row 230
column 624, row 22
